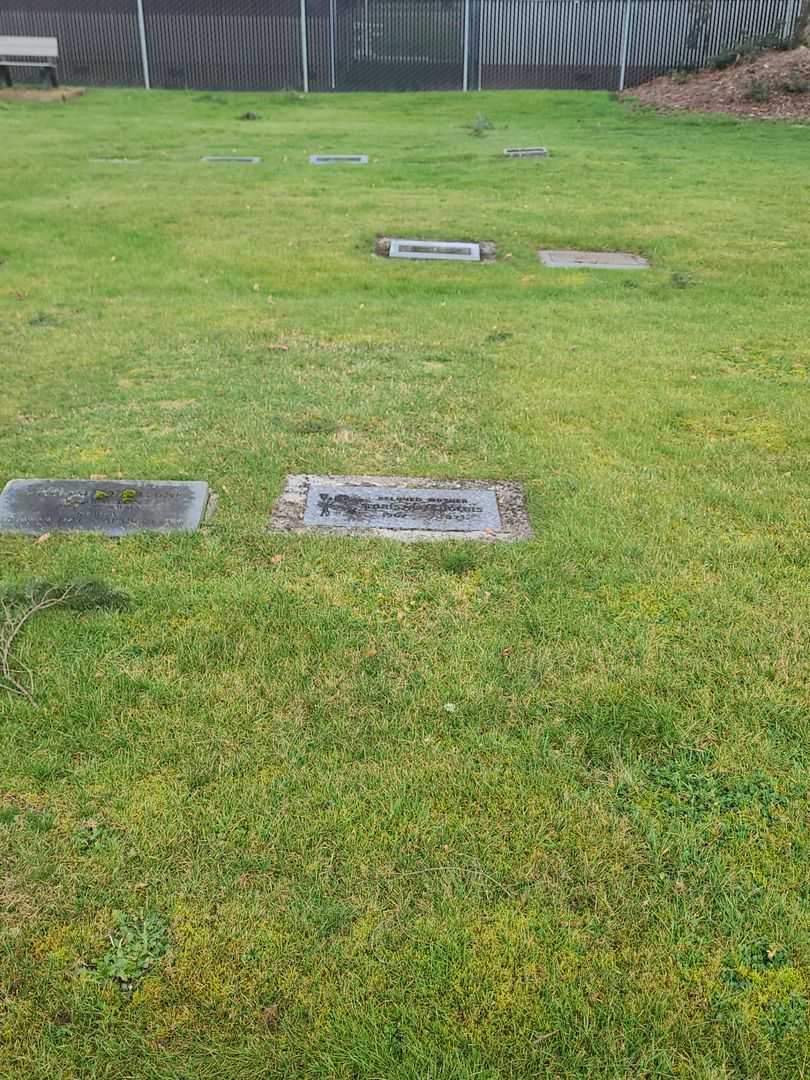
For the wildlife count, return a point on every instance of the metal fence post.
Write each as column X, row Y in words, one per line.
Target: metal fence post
column 142, row 38
column 625, row 43
column 480, row 40
column 332, row 30
column 304, row 53
column 466, row 81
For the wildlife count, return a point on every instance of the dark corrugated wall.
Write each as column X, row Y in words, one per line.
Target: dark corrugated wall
column 390, row 44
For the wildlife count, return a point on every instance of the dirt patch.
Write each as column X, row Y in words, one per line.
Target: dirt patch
column 775, row 85
column 23, row 93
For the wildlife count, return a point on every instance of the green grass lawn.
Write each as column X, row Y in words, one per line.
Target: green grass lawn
column 376, row 810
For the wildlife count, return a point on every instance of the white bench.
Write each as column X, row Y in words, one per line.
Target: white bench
column 39, row 52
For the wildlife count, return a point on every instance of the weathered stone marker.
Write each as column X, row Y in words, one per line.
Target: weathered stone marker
column 593, row 260
column 487, row 250
column 338, row 159
column 526, row 151
column 231, row 159
column 112, row 507
column 403, row 508
column 400, row 507
column 435, row 249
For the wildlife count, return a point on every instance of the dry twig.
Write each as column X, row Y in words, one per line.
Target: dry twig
column 17, row 608
column 11, row 675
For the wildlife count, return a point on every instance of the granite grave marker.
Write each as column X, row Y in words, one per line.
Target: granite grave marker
column 593, row 260
column 435, row 249
column 112, row 507
column 352, row 505
column 402, row 508
column 338, row 159
column 217, row 159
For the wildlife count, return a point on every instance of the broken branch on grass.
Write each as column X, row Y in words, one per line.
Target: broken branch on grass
column 19, row 606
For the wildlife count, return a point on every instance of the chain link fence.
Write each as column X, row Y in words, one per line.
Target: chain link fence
column 331, row 45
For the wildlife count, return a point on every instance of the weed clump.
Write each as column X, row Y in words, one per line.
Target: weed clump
column 480, row 125
column 135, row 947
column 796, row 83
column 758, row 90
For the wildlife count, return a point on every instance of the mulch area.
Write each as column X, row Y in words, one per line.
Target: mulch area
column 753, row 86
column 26, row 93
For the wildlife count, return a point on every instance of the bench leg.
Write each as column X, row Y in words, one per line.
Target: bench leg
column 48, row 76
column 5, row 74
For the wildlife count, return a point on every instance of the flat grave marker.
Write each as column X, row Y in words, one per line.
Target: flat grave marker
column 236, row 159
column 449, row 250
column 112, row 507
column 593, row 260
column 338, row 159
column 350, row 505
column 526, row 151
column 402, row 508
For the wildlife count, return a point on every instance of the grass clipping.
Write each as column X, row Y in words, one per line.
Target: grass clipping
column 18, row 606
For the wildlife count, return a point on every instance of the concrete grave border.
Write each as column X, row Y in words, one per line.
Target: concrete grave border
column 526, row 151
column 569, row 259
column 202, row 504
column 230, row 159
column 338, row 159
column 287, row 514
column 487, row 251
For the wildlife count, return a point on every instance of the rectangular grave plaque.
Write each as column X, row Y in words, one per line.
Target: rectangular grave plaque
column 593, row 260
column 217, row 159
column 367, row 507
column 526, row 151
column 435, row 249
column 112, row 507
column 338, row 159
column 405, row 508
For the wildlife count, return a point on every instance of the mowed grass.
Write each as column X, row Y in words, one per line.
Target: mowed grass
column 435, row 811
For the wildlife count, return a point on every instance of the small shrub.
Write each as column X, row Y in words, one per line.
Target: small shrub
column 796, row 83
column 680, row 76
column 746, row 49
column 757, row 91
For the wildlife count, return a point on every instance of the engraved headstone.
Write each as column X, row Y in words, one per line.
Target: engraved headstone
column 231, row 159
column 526, row 151
column 593, row 260
column 364, row 506
column 338, row 159
column 112, row 507
column 403, row 508
column 435, row 249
